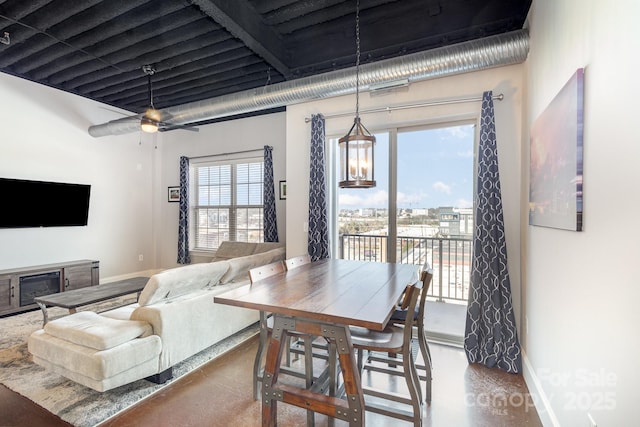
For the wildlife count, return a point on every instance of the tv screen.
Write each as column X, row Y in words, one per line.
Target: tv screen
column 43, row 204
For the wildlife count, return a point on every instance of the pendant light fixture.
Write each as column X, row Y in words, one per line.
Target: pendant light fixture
column 356, row 147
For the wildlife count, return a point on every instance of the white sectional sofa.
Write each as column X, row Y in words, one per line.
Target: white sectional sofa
column 175, row 317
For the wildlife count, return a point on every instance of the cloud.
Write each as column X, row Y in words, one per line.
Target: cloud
column 404, row 199
column 465, row 154
column 459, row 131
column 442, row 187
column 464, row 203
column 370, row 199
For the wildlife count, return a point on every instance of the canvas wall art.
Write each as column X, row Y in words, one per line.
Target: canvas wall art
column 555, row 185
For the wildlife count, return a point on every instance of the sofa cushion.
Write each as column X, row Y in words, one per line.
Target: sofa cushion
column 239, row 267
column 181, row 280
column 99, row 369
column 267, row 246
column 228, row 250
column 89, row 329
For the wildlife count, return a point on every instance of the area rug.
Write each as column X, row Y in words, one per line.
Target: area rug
column 75, row 403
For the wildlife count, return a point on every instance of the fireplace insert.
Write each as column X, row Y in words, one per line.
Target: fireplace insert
column 37, row 285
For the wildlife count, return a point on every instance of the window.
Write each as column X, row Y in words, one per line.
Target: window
column 228, row 202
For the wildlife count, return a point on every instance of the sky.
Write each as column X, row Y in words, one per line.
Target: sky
column 435, row 168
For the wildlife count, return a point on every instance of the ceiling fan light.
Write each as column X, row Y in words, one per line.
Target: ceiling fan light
column 148, row 126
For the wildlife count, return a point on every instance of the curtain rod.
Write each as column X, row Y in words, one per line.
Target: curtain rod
column 499, row 97
column 228, row 154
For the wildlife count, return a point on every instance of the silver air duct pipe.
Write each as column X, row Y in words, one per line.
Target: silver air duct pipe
column 476, row 55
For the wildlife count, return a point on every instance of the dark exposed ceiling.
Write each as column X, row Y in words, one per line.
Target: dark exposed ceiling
column 202, row 49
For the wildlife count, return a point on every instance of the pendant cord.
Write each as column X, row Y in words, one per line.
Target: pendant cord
column 357, row 59
column 149, row 70
column 150, row 93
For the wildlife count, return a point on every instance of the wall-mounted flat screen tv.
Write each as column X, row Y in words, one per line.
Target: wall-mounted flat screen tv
column 43, row 204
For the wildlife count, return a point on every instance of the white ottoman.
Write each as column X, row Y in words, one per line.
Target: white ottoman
column 99, row 352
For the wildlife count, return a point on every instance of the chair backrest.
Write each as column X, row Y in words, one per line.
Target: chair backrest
column 426, row 277
column 265, row 271
column 297, row 261
column 412, row 293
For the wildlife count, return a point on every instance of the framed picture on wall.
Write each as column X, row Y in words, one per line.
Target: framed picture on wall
column 283, row 190
column 173, row 194
column 555, row 180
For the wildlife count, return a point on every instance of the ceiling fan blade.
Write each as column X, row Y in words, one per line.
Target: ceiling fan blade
column 120, row 112
column 165, row 127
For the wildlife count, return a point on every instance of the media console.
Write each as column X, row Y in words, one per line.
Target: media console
column 19, row 286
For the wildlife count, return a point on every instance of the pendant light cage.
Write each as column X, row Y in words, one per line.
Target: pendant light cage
column 356, row 157
column 356, row 147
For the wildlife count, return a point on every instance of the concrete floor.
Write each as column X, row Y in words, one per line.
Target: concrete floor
column 220, row 393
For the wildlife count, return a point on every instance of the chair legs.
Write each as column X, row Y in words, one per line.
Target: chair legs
column 257, row 363
column 426, row 355
column 400, row 366
column 413, row 384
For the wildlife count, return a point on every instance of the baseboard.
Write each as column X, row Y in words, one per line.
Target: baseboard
column 445, row 339
column 540, row 398
column 145, row 273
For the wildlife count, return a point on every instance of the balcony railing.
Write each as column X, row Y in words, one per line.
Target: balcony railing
column 450, row 259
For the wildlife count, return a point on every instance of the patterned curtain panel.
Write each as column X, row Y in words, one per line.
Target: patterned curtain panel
column 318, row 225
column 490, row 337
column 269, row 198
column 183, row 220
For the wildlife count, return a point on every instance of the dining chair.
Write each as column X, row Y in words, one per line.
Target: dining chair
column 266, row 321
column 399, row 317
column 297, row 261
column 266, row 326
column 394, row 340
column 308, row 342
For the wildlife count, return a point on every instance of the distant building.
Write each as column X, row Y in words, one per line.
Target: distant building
column 466, row 221
column 367, row 212
column 455, row 222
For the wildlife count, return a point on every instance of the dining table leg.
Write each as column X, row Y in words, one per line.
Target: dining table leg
column 349, row 408
column 351, row 377
column 270, row 394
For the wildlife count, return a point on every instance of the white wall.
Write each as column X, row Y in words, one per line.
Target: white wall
column 580, row 287
column 219, row 138
column 44, row 137
column 505, row 80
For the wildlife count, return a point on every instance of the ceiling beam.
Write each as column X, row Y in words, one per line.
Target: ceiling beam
column 244, row 23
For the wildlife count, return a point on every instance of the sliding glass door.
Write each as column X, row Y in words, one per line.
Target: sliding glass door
column 421, row 209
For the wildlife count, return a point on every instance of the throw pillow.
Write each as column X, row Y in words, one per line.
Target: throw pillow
column 228, row 249
column 239, row 267
column 267, row 246
column 181, row 280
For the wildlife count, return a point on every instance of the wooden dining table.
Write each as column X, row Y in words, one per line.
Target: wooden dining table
column 323, row 299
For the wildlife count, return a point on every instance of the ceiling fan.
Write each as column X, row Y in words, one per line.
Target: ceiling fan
column 151, row 120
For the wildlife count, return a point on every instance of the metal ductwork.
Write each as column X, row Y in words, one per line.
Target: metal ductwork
column 495, row 51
